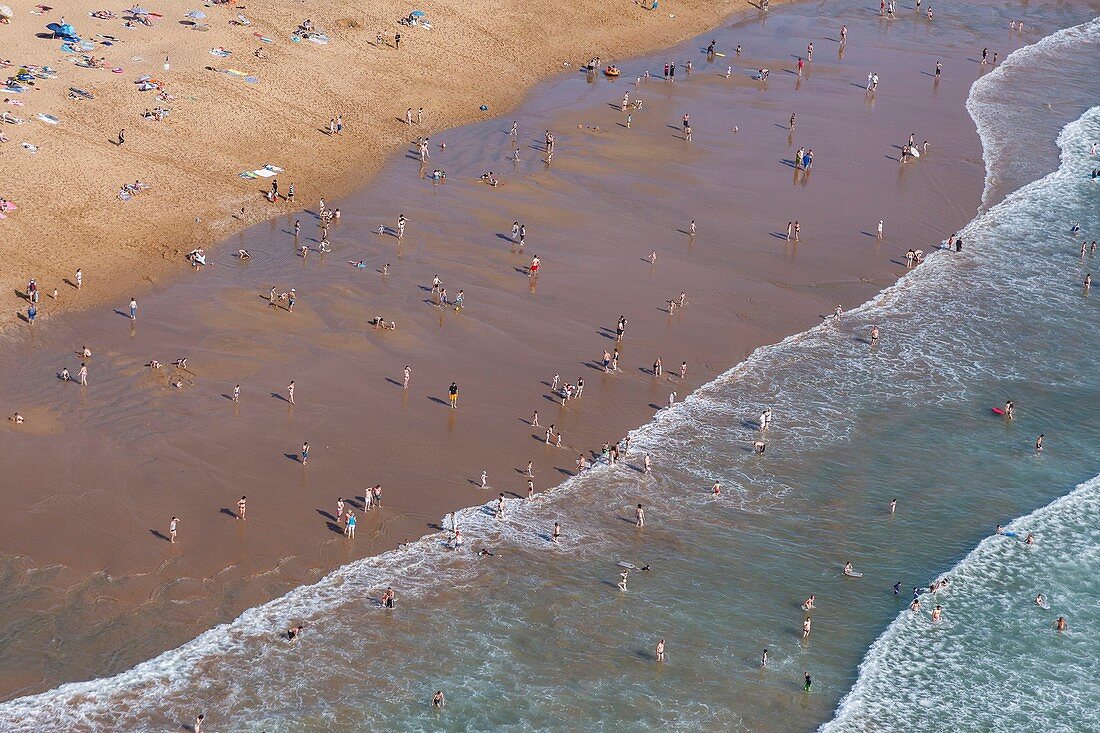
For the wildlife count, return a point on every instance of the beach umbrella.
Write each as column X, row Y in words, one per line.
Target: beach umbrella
column 196, row 14
column 66, row 29
column 5, row 12
column 417, row 14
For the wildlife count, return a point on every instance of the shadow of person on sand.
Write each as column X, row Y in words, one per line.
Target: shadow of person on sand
column 160, row 535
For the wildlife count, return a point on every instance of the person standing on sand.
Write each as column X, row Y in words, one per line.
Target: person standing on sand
column 172, row 529
column 133, row 309
column 939, row 68
column 241, row 508
column 405, row 380
column 452, row 393
column 121, row 137
column 349, row 528
column 83, row 374
column 79, row 278
column 535, row 419
column 290, row 392
column 659, row 651
column 339, row 508
column 237, row 393
column 409, row 116
column 305, row 453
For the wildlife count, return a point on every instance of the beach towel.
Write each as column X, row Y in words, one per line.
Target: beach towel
column 48, row 119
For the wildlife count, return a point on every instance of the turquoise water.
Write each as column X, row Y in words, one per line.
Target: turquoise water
column 538, row 638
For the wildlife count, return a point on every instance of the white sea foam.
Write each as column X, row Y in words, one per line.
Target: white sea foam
column 997, row 665
column 928, row 362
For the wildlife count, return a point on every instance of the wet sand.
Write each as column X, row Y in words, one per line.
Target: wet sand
column 90, row 497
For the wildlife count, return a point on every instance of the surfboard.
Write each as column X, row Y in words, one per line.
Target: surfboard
column 1044, row 605
column 1009, row 534
column 627, row 565
column 853, row 574
column 719, row 54
column 914, row 152
column 997, row 411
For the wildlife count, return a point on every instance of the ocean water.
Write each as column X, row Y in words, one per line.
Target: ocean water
column 537, row 637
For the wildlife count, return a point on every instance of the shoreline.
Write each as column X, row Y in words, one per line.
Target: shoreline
column 848, row 279
column 121, row 257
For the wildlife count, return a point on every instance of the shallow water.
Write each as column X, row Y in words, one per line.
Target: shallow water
column 538, row 637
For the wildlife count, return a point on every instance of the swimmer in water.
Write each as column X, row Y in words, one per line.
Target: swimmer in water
column 937, row 614
column 294, row 632
column 1060, row 624
column 1040, row 601
column 485, row 553
column 1030, row 540
column 1039, row 444
column 243, row 254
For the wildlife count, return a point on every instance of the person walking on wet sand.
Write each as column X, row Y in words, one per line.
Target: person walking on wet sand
column 237, row 393
column 241, row 508
column 349, row 528
column 133, row 309
column 172, row 529
column 790, row 127
column 79, row 278
column 452, row 393
column 405, row 380
column 305, row 453
column 620, row 329
column 290, row 392
column 659, row 651
column 82, row 375
column 639, row 516
column 874, row 336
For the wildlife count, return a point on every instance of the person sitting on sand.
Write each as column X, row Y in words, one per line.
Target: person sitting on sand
column 154, row 364
column 63, row 375
column 17, row 419
column 762, row 74
column 490, row 178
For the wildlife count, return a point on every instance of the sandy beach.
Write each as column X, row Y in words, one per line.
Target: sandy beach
column 238, row 112
column 96, row 473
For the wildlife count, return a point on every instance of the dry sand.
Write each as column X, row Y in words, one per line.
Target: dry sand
column 69, row 214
